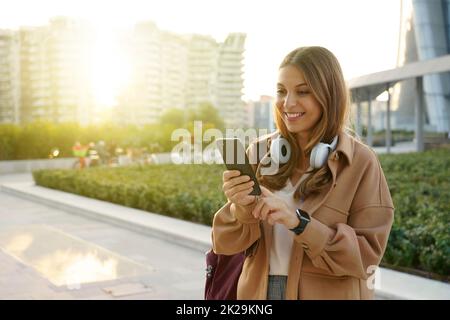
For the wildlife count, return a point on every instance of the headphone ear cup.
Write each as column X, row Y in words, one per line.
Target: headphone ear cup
column 280, row 150
column 312, row 157
column 319, row 155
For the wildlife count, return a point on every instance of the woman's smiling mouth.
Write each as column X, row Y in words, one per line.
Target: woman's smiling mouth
column 292, row 116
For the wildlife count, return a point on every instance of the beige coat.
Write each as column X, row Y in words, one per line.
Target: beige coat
column 334, row 257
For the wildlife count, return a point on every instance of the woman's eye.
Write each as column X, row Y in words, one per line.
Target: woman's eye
column 280, row 92
column 302, row 92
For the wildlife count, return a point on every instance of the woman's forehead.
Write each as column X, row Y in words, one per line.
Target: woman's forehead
column 290, row 76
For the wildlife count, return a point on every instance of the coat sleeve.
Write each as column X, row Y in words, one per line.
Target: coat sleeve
column 349, row 249
column 234, row 228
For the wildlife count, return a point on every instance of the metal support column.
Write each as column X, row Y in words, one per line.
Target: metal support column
column 419, row 113
column 388, row 121
column 358, row 119
column 369, row 120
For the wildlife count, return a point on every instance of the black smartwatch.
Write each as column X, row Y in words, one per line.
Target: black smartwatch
column 304, row 219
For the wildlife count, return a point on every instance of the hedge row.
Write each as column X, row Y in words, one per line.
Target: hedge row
column 419, row 184
column 189, row 192
column 420, row 187
column 38, row 139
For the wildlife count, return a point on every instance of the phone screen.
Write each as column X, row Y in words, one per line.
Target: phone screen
column 235, row 158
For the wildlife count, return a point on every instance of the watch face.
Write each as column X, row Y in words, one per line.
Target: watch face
column 303, row 215
column 304, row 220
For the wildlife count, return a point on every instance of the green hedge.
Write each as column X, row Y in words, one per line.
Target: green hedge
column 36, row 140
column 419, row 184
column 190, row 192
column 420, row 188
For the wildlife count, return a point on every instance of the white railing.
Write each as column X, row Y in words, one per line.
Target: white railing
column 20, row 166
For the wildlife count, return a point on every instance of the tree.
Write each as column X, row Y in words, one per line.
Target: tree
column 173, row 116
column 208, row 114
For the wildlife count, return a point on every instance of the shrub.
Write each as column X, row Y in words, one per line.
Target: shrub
column 420, row 189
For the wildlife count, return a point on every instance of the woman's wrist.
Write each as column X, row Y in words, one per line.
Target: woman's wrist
column 292, row 220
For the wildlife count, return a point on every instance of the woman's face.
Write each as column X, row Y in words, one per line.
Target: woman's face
column 298, row 107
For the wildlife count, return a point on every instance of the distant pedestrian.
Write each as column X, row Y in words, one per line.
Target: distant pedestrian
column 80, row 151
column 92, row 155
column 102, row 152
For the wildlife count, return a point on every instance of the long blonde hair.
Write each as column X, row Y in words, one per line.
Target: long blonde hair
column 323, row 75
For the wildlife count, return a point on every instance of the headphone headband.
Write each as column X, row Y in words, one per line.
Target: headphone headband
column 333, row 143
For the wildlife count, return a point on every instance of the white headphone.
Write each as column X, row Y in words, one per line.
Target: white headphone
column 280, row 151
column 320, row 152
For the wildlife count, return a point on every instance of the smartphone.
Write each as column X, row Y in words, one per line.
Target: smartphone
column 235, row 158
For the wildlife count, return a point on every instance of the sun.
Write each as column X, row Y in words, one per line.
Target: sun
column 110, row 67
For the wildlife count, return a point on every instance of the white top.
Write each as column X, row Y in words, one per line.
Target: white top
column 283, row 238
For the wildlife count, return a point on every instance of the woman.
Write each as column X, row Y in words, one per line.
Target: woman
column 320, row 228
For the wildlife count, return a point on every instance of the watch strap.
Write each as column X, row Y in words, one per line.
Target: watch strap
column 304, row 219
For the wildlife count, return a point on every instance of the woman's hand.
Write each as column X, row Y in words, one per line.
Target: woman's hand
column 237, row 188
column 274, row 209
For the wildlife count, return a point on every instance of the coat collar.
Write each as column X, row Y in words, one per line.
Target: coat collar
column 345, row 146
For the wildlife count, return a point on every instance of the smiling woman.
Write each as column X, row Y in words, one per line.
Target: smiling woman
column 110, row 69
column 322, row 236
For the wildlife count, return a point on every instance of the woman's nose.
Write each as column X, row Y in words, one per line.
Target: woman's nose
column 289, row 102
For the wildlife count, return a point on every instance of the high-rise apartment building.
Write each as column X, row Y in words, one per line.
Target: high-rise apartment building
column 35, row 82
column 55, row 73
column 260, row 113
column 141, row 101
column 182, row 71
column 174, row 70
column 228, row 84
column 47, row 72
column 9, row 77
column 202, row 67
column 159, row 71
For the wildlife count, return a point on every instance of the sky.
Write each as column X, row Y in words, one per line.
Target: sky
column 363, row 34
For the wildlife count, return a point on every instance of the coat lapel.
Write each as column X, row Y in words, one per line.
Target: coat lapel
column 345, row 147
column 313, row 202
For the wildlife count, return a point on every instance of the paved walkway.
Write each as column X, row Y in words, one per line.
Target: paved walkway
column 177, row 272
column 400, row 147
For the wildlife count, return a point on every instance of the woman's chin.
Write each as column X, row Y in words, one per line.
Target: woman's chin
column 297, row 126
column 292, row 128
